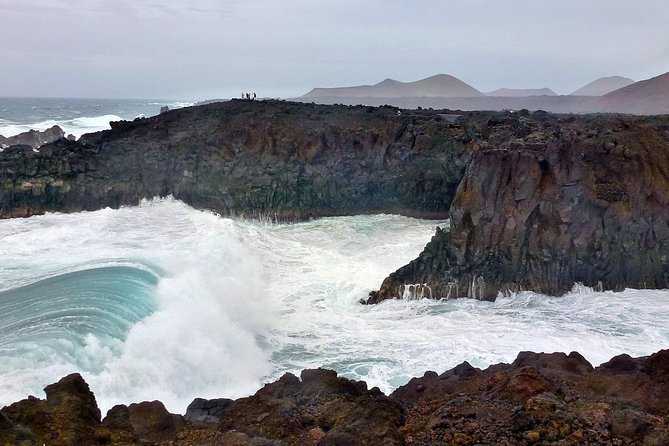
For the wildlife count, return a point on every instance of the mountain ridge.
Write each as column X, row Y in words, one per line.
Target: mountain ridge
column 602, row 86
column 439, row 85
column 521, row 92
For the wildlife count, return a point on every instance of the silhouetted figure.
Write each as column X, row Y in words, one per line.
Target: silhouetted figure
column 254, row 96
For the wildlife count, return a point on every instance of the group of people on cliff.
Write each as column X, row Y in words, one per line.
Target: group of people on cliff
column 249, row 96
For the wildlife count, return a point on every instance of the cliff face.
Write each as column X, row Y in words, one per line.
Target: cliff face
column 575, row 200
column 247, row 157
column 537, row 202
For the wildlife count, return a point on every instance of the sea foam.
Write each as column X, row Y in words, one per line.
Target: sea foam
column 236, row 303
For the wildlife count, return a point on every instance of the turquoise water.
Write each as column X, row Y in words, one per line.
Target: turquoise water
column 106, row 301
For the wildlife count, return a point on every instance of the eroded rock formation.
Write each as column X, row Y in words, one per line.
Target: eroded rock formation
column 33, row 138
column 537, row 202
column 248, row 157
column 542, row 399
column 580, row 200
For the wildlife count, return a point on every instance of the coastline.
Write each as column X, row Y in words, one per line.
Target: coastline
column 537, row 399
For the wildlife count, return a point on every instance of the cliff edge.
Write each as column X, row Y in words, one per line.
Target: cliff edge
column 576, row 200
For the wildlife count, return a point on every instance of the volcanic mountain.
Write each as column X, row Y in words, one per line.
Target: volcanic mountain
column 603, row 86
column 647, row 97
column 521, row 93
column 439, row 86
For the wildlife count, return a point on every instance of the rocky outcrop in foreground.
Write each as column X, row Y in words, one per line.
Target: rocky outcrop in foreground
column 539, row 399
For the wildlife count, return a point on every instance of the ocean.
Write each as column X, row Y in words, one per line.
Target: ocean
column 74, row 116
column 162, row 301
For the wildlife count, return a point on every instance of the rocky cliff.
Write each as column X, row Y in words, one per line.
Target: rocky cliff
column 537, row 201
column 544, row 205
column 542, row 399
column 248, row 157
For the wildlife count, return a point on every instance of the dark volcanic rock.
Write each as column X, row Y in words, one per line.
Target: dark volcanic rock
column 33, row 138
column 69, row 416
column 544, row 399
column 321, row 408
column 579, row 200
column 537, row 202
column 248, row 157
column 150, row 421
column 208, row 411
column 547, row 399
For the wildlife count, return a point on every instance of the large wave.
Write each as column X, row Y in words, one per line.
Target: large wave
column 68, row 114
column 161, row 301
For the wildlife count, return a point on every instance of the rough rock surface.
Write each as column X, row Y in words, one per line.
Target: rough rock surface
column 68, row 416
column 33, row 138
column 537, row 202
column 539, row 399
column 545, row 205
column 287, row 160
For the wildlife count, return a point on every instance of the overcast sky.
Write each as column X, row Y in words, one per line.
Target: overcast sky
column 201, row 49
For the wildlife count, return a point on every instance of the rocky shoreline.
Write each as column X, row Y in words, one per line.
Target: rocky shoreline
column 537, row 201
column 538, row 399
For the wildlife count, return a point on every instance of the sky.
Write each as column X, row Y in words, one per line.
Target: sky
column 203, row 49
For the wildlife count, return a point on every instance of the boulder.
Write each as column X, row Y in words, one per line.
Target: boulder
column 34, row 138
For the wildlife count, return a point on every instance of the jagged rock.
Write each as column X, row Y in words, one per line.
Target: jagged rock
column 33, row 138
column 207, row 411
column 545, row 399
column 539, row 399
column 289, row 410
column 69, row 416
column 292, row 161
column 571, row 206
column 151, row 422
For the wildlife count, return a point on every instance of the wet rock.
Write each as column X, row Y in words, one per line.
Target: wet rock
column 150, row 421
column 208, row 411
column 68, row 416
column 294, row 161
column 556, row 212
column 33, row 138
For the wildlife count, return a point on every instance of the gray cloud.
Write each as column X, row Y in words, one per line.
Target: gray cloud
column 207, row 48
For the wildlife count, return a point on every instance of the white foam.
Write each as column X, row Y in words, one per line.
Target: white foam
column 76, row 126
column 242, row 302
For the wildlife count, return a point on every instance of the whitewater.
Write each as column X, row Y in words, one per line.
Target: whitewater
column 162, row 301
column 74, row 116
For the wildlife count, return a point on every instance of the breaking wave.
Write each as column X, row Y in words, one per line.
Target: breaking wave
column 161, row 301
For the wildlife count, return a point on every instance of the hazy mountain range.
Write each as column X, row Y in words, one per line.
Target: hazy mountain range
column 439, row 86
column 608, row 94
column 603, row 85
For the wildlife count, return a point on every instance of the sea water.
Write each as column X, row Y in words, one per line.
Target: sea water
column 74, row 116
column 161, row 301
